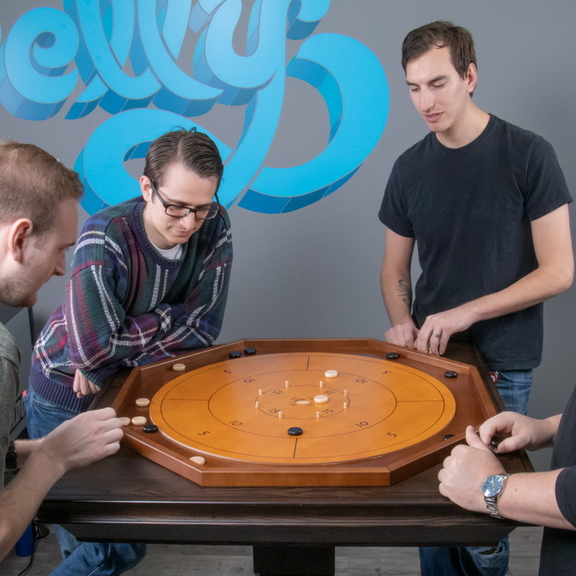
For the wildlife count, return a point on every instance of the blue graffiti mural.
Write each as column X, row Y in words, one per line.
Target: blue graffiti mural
column 129, row 58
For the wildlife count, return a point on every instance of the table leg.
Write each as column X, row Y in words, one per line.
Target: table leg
column 294, row 561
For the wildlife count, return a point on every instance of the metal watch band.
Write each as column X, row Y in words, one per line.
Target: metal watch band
column 492, row 501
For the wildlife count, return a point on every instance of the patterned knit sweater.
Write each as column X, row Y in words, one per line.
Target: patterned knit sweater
column 126, row 305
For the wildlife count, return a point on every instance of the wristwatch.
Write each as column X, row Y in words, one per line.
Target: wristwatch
column 491, row 488
column 11, row 462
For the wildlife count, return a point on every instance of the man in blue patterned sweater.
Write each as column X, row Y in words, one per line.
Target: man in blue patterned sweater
column 149, row 280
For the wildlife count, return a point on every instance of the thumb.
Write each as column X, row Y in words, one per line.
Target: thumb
column 474, row 440
column 508, row 445
column 103, row 413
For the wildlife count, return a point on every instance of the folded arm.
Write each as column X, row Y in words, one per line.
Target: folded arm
column 103, row 337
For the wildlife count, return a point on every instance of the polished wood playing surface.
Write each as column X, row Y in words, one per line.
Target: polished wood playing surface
column 271, row 415
column 246, row 409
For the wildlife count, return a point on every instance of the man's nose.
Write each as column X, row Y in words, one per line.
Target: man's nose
column 426, row 100
column 60, row 267
column 190, row 222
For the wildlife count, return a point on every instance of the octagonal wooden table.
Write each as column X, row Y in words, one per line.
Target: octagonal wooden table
column 294, row 530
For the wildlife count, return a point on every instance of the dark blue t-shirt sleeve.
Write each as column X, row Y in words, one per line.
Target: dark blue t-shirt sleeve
column 545, row 186
column 392, row 210
column 566, row 493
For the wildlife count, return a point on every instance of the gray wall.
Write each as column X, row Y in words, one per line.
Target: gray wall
column 315, row 272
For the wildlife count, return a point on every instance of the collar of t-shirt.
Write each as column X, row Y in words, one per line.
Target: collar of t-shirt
column 173, row 253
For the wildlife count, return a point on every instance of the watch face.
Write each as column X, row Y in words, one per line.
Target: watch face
column 493, row 485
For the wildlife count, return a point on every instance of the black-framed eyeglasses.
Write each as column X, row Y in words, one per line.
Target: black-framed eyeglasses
column 204, row 213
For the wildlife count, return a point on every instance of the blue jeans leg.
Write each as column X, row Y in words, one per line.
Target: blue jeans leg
column 514, row 389
column 79, row 558
column 470, row 561
column 42, row 417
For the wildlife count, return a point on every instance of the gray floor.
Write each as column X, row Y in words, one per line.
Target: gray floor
column 173, row 560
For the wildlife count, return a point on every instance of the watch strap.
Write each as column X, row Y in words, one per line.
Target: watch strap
column 492, row 501
column 11, row 458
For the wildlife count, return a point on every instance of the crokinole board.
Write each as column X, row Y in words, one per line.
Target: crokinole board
column 302, row 412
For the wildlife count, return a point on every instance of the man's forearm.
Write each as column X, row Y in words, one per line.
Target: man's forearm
column 24, row 448
column 397, row 295
column 534, row 288
column 396, row 279
column 531, row 498
column 554, row 274
column 23, row 496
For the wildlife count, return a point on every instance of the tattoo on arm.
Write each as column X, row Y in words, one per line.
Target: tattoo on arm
column 405, row 291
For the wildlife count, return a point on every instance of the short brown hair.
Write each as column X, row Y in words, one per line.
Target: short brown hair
column 195, row 150
column 32, row 185
column 440, row 34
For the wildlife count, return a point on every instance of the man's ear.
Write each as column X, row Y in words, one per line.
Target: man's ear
column 472, row 77
column 19, row 238
column 145, row 188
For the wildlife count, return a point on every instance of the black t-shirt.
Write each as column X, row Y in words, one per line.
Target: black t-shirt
column 558, row 554
column 469, row 210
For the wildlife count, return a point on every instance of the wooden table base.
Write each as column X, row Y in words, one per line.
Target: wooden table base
column 288, row 561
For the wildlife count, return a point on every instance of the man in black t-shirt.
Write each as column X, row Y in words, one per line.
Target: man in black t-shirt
column 487, row 205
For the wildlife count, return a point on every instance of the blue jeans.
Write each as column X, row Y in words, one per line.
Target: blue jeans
column 514, row 389
column 79, row 558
